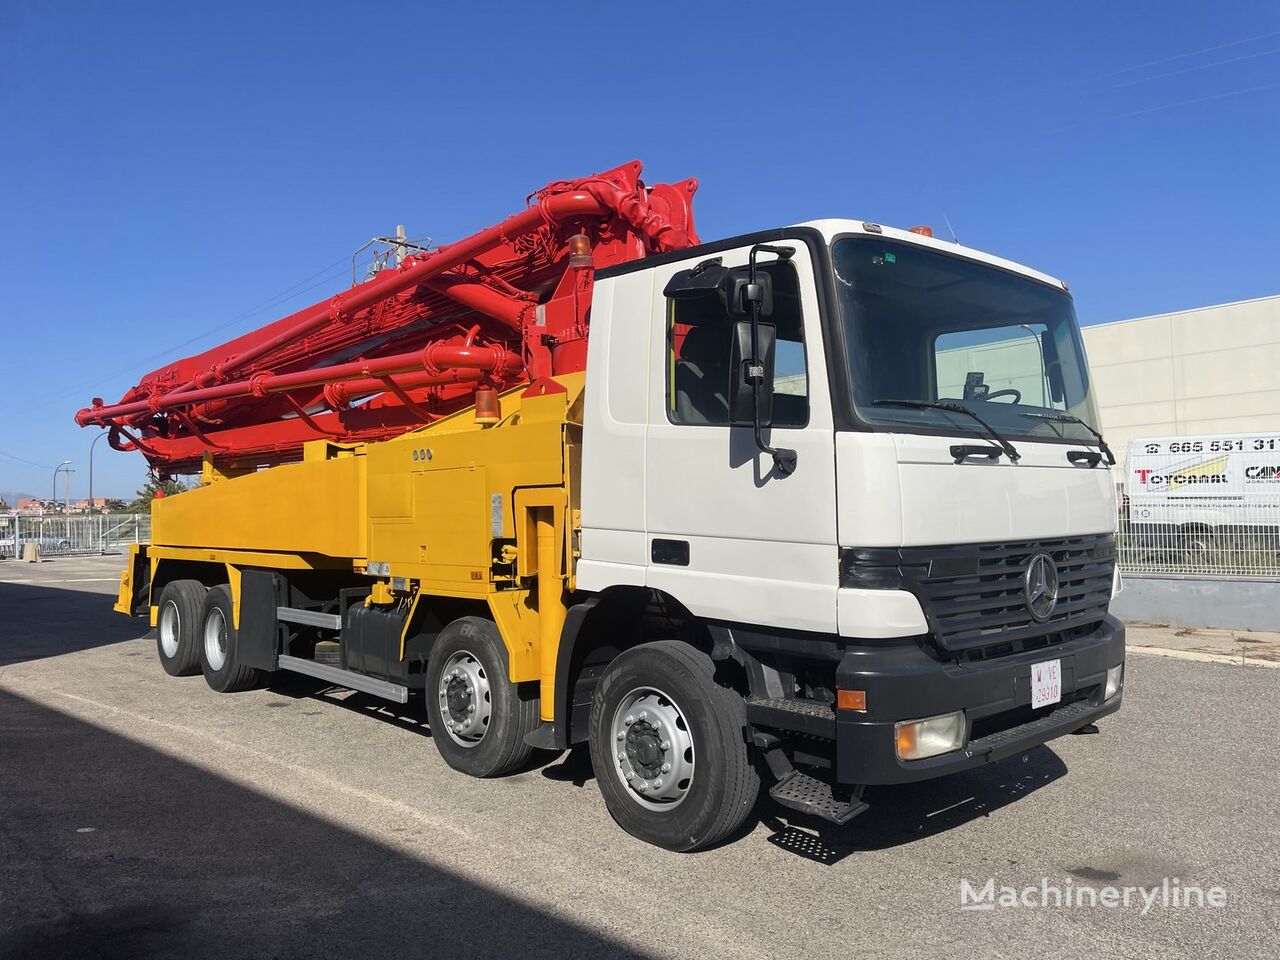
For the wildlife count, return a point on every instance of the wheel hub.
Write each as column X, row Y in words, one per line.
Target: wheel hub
column 465, row 699
column 458, row 698
column 170, row 628
column 644, row 749
column 215, row 639
column 654, row 747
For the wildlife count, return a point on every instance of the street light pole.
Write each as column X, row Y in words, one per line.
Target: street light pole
column 91, row 446
column 64, row 463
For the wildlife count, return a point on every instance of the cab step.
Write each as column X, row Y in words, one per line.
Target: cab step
column 801, row 792
column 791, row 713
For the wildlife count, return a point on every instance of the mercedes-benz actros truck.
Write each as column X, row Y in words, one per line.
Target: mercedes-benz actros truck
column 819, row 508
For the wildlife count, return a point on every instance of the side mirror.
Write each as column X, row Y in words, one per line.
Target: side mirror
column 741, row 399
column 708, row 277
column 739, row 293
column 733, row 287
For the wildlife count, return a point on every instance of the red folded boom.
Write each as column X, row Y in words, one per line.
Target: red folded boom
column 505, row 306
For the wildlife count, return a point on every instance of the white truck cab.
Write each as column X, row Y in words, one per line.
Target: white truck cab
column 932, row 560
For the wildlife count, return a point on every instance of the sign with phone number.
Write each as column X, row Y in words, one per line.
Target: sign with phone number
column 1212, row 446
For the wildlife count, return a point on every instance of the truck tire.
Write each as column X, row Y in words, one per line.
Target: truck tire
column 219, row 660
column 669, row 747
column 478, row 717
column 178, row 627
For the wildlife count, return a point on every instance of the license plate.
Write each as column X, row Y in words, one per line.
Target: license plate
column 1046, row 683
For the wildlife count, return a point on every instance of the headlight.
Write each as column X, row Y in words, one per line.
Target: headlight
column 918, row 739
column 1115, row 680
column 1117, row 584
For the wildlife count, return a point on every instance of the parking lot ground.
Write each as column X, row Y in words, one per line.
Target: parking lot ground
column 1249, row 647
column 143, row 816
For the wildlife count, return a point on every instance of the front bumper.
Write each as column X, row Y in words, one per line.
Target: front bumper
column 902, row 682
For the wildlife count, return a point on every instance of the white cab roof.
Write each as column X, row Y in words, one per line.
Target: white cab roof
column 834, row 228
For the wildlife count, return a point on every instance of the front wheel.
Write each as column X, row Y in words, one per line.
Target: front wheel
column 669, row 748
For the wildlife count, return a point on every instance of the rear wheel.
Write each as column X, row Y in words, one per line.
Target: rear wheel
column 478, row 717
column 178, row 627
column 669, row 747
column 219, row 658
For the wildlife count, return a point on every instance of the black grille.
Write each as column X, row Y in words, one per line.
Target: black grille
column 972, row 594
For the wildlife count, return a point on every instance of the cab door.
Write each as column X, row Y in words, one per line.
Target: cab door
column 728, row 536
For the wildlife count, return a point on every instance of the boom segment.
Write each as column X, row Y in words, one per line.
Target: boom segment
column 418, row 341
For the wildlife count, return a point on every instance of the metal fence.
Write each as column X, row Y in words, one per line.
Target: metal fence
column 1165, row 547
column 1240, row 543
column 65, row 535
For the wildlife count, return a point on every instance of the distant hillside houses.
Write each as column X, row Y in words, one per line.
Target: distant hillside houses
column 36, row 506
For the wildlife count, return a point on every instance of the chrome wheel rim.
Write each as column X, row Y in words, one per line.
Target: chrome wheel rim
column 170, row 629
column 653, row 748
column 215, row 639
column 466, row 702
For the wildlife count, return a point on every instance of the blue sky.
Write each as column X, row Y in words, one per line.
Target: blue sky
column 166, row 169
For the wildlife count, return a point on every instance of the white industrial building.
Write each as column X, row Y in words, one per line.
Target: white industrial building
column 1208, row 370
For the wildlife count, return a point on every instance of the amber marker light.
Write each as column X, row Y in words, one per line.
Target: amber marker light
column 579, row 251
column 487, row 410
column 851, row 700
column 907, row 737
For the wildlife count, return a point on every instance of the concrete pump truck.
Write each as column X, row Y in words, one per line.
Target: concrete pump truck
column 820, row 507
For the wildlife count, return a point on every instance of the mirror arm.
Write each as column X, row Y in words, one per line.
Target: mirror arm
column 784, row 461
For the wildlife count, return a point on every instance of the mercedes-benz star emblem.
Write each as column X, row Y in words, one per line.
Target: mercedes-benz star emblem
column 1040, row 586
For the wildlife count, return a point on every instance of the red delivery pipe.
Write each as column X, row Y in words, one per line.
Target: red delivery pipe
column 493, row 303
column 339, row 395
column 411, row 273
column 434, row 358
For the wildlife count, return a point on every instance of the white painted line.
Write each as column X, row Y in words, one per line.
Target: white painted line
column 1203, row 657
column 80, row 580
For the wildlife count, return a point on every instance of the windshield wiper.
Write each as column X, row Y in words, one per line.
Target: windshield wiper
column 1009, row 449
column 1072, row 418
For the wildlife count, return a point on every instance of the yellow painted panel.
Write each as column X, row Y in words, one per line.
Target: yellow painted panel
column 308, row 507
column 452, row 529
column 517, row 619
column 124, row 599
column 244, row 558
column 390, row 496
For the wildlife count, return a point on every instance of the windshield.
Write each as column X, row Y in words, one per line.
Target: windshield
column 925, row 326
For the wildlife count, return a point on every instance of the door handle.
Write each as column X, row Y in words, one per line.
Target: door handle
column 962, row 451
column 1084, row 456
column 671, row 552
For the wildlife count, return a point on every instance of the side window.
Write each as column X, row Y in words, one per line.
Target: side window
column 698, row 344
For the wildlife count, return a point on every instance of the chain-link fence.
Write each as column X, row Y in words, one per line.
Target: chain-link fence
column 64, row 535
column 1239, row 539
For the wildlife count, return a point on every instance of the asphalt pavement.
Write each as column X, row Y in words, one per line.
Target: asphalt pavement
column 146, row 816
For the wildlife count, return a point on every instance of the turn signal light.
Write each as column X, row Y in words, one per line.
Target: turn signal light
column 851, row 700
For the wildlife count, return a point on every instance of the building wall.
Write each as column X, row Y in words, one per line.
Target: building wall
column 1210, row 370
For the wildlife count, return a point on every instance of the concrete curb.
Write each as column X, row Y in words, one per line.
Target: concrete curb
column 1203, row 657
